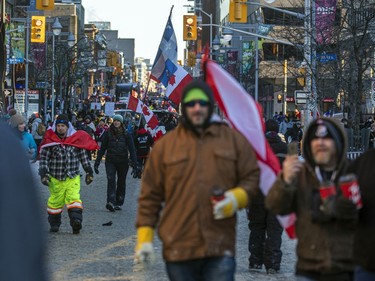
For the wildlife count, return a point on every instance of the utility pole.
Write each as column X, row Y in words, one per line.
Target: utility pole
column 2, row 57
column 27, row 64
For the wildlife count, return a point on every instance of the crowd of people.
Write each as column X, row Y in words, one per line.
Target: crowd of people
column 201, row 173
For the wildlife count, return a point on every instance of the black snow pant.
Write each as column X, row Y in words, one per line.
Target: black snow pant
column 265, row 236
column 116, row 190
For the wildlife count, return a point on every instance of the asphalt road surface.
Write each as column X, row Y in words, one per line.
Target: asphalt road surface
column 106, row 252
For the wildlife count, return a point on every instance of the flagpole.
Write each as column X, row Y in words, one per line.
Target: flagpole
column 148, row 84
column 3, row 57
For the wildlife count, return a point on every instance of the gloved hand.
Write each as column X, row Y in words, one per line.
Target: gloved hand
column 96, row 168
column 136, row 172
column 346, row 209
column 45, row 180
column 144, row 250
column 134, row 175
column 89, row 178
column 234, row 199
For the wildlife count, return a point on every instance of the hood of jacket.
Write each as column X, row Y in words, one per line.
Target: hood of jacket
column 37, row 120
column 273, row 137
column 338, row 135
column 197, row 84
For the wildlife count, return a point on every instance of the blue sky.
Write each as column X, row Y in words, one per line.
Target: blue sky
column 143, row 20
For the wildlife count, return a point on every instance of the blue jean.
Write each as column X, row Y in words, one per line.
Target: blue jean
column 361, row 274
column 206, row 269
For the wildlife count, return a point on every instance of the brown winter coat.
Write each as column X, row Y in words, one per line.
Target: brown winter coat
column 323, row 248
column 177, row 185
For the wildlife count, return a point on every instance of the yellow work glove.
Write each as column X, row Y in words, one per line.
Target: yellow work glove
column 144, row 250
column 234, row 199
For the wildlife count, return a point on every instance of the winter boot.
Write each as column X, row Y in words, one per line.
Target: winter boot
column 110, row 207
column 54, row 222
column 75, row 215
column 76, row 226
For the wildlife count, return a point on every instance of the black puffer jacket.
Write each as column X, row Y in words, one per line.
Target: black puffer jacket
column 278, row 146
column 364, row 243
column 118, row 144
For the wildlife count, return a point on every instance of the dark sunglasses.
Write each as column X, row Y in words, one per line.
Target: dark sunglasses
column 194, row 102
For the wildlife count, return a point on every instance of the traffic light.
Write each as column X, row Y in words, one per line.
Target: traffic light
column 190, row 27
column 45, row 4
column 38, row 29
column 279, row 98
column 238, row 11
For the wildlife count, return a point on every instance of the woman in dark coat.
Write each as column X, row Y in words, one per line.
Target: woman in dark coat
column 118, row 144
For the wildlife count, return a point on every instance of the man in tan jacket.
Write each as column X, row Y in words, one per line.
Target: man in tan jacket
column 195, row 180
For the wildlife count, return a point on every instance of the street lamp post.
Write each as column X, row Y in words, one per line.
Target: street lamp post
column 56, row 30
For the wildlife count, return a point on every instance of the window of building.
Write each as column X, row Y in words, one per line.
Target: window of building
column 279, row 18
column 279, row 52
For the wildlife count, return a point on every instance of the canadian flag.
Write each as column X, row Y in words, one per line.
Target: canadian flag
column 244, row 114
column 157, row 132
column 139, row 107
column 135, row 104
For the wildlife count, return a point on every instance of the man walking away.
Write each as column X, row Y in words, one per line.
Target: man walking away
column 265, row 230
column 364, row 242
column 36, row 129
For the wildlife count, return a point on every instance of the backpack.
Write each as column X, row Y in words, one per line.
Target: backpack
column 41, row 129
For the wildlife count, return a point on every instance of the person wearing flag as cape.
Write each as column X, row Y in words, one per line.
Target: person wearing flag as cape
column 196, row 178
column 60, row 153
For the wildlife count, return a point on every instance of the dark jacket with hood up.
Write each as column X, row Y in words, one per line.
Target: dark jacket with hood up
column 178, row 182
column 364, row 243
column 325, row 244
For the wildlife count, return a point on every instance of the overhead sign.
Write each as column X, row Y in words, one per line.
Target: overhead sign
column 326, row 57
column 33, row 101
column 301, row 97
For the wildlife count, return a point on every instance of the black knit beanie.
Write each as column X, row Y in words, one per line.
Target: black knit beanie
column 272, row 126
column 62, row 119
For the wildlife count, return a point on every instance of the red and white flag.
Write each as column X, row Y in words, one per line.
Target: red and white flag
column 139, row 107
column 135, row 104
column 175, row 85
column 151, row 119
column 244, row 114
